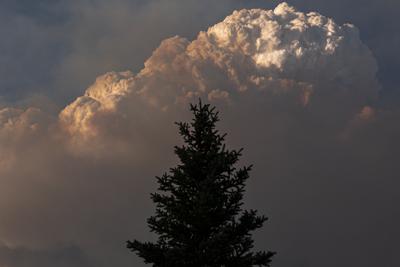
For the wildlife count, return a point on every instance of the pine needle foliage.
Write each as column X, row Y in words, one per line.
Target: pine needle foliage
column 199, row 219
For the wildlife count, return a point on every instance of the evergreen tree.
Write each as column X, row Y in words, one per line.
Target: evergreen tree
column 199, row 218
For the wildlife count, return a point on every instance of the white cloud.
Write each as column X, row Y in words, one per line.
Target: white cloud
column 307, row 58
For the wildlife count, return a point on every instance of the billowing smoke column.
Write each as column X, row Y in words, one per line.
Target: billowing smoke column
column 275, row 55
column 72, row 177
column 305, row 58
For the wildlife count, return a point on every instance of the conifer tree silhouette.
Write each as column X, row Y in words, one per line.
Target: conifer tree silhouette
column 199, row 218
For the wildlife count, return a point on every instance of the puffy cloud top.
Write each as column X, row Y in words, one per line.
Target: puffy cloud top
column 102, row 96
column 280, row 51
column 293, row 42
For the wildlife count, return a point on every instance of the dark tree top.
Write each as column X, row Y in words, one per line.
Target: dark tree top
column 199, row 218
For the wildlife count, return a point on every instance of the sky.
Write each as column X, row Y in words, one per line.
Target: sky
column 90, row 91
